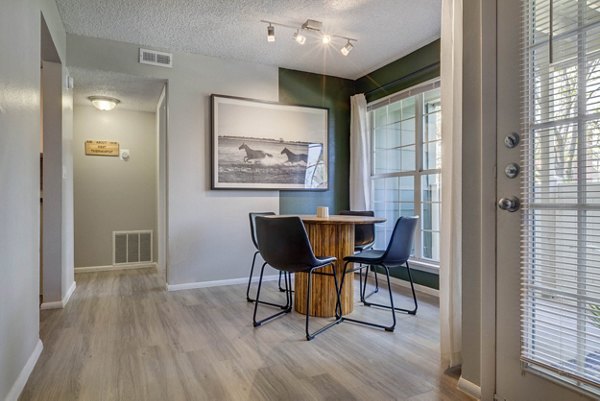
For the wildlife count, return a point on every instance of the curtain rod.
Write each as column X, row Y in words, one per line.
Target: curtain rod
column 427, row 68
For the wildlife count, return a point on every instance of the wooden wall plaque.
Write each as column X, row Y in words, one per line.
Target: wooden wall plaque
column 101, row 148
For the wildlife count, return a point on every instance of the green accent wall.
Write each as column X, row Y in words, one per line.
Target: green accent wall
column 308, row 89
column 303, row 88
column 419, row 66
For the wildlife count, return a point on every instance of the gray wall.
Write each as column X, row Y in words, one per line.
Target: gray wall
column 111, row 194
column 20, row 180
column 208, row 234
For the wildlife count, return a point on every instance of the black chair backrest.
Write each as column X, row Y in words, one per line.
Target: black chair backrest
column 253, row 216
column 283, row 243
column 401, row 242
column 364, row 234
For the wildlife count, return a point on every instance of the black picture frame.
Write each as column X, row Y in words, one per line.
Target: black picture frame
column 264, row 145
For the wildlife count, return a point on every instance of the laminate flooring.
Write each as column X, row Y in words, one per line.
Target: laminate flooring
column 123, row 337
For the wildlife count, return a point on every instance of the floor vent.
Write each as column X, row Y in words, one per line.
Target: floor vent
column 131, row 247
column 154, row 57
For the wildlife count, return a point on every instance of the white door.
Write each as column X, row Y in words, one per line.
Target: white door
column 546, row 334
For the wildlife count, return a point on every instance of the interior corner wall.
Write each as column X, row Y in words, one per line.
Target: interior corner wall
column 20, row 43
column 208, row 230
column 419, row 66
column 308, row 89
column 112, row 194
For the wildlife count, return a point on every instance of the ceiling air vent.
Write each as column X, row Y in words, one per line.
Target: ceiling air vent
column 154, row 57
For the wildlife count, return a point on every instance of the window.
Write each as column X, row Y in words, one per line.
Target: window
column 406, row 162
column 560, row 282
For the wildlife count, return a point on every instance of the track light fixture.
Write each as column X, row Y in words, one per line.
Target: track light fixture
column 271, row 33
column 347, row 49
column 298, row 37
column 310, row 27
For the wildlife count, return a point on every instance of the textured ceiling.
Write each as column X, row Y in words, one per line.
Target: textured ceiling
column 135, row 93
column 385, row 29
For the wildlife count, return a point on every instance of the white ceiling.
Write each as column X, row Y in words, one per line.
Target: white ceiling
column 135, row 93
column 386, row 29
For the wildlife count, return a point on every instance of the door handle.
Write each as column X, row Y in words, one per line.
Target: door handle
column 511, row 204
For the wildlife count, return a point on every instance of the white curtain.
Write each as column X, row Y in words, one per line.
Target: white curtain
column 451, row 241
column 360, row 154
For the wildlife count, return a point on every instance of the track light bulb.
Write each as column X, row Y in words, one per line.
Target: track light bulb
column 347, row 49
column 298, row 37
column 270, row 33
column 326, row 39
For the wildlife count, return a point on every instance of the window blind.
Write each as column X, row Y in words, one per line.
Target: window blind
column 560, row 254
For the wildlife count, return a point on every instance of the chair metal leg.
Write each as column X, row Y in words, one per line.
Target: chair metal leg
column 364, row 289
column 279, row 281
column 287, row 308
column 386, row 328
column 248, row 298
column 412, row 286
column 250, row 278
column 338, row 319
column 290, row 287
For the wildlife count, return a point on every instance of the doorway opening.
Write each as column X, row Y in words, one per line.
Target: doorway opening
column 119, row 172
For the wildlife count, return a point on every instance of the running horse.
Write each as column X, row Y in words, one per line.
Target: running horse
column 252, row 154
column 294, row 157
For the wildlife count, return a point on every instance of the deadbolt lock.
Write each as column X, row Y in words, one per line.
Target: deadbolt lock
column 511, row 204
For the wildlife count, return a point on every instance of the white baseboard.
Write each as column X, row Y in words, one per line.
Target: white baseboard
column 217, row 283
column 19, row 384
column 62, row 303
column 94, row 269
column 469, row 388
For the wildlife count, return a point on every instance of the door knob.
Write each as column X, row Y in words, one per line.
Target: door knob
column 511, row 204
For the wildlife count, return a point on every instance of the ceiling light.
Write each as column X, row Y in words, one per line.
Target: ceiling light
column 104, row 103
column 298, row 37
column 310, row 27
column 347, row 49
column 270, row 33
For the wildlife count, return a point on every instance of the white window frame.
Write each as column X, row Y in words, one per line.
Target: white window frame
column 417, row 260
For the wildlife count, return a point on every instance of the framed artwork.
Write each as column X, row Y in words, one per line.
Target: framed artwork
column 265, row 145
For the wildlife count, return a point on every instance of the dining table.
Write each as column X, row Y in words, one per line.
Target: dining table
column 329, row 236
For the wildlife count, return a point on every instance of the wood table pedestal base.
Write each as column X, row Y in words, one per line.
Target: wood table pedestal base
column 327, row 240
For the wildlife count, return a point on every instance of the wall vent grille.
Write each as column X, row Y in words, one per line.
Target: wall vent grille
column 131, row 247
column 154, row 57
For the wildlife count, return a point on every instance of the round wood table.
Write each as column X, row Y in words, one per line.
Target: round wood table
column 329, row 236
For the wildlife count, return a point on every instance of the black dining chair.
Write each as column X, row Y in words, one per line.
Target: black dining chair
column 395, row 255
column 253, row 216
column 364, row 238
column 284, row 245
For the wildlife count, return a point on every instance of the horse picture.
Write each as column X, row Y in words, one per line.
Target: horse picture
column 294, row 157
column 252, row 154
column 266, row 145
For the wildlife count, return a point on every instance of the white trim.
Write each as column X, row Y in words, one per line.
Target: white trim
column 19, row 384
column 217, row 283
column 94, row 269
column 63, row 302
column 425, row 267
column 469, row 388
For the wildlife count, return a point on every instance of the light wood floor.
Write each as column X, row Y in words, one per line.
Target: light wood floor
column 123, row 337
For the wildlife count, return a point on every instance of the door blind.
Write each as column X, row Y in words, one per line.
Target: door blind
column 560, row 275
